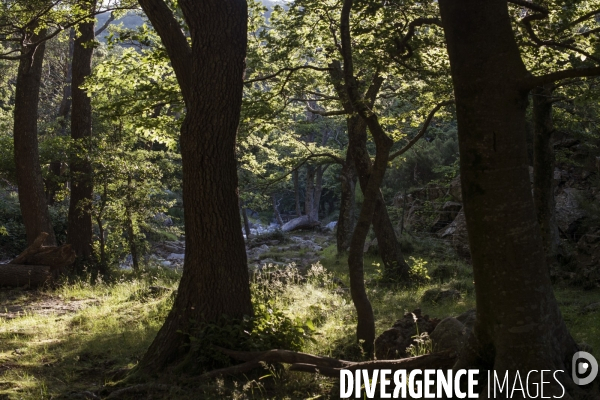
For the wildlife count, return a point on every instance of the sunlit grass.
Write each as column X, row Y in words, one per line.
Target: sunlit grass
column 46, row 356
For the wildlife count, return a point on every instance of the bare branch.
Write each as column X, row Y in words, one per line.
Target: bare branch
column 323, row 113
column 288, row 69
column 422, row 131
column 106, row 24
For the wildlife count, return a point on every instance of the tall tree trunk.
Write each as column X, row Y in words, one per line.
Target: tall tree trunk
column 395, row 266
column 245, row 219
column 518, row 326
column 389, row 247
column 543, row 170
column 297, row 192
column 345, row 225
column 317, row 191
column 80, row 231
column 54, row 178
column 215, row 280
column 309, row 194
column 32, row 198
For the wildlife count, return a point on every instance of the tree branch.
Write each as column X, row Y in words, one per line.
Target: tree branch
column 174, row 40
column 422, row 131
column 325, row 113
column 288, row 69
column 535, row 81
column 106, row 24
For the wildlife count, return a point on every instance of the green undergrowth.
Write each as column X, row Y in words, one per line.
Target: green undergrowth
column 51, row 356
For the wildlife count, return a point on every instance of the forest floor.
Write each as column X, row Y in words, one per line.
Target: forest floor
column 78, row 341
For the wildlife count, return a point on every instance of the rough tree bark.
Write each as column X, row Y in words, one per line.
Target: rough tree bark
column 79, row 231
column 32, row 198
column 519, row 326
column 245, row 219
column 215, row 277
column 543, row 170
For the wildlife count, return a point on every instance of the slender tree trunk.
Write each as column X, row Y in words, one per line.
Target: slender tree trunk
column 54, row 178
column 276, row 211
column 389, row 247
column 345, row 225
column 519, row 326
column 215, row 280
column 80, row 231
column 543, row 170
column 245, row 219
column 317, row 191
column 309, row 195
column 32, row 198
column 297, row 192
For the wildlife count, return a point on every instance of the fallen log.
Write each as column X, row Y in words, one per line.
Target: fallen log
column 37, row 264
column 36, row 254
column 327, row 366
column 15, row 275
column 303, row 222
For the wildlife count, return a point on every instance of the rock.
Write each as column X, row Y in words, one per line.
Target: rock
column 176, row 256
column 447, row 214
column 468, row 318
column 567, row 209
column 166, row 264
column 458, row 236
column 370, row 246
column 303, row 222
column 443, row 273
column 592, row 307
column 331, row 226
column 455, row 190
column 450, row 333
column 439, row 296
column 392, row 343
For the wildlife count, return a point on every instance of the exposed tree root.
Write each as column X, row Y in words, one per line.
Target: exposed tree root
column 327, row 366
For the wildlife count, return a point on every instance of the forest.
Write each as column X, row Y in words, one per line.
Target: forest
column 231, row 199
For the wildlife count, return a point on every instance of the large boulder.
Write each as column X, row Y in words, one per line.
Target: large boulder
column 438, row 296
column 452, row 333
column 457, row 234
column 392, row 343
column 446, row 215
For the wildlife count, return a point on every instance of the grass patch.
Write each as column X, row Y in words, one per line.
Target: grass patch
column 48, row 356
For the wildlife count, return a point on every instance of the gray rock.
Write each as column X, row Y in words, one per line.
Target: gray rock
column 450, row 333
column 439, row 296
column 175, row 256
column 331, row 226
column 468, row 318
column 166, row 264
column 592, row 307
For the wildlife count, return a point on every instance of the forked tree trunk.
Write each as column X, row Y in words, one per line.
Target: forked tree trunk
column 32, row 198
column 80, row 231
column 345, row 225
column 519, row 325
column 276, row 211
column 389, row 248
column 543, row 170
column 395, row 266
column 215, row 280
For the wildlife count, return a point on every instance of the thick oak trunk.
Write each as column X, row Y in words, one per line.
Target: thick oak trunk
column 32, row 198
column 518, row 325
column 215, row 280
column 543, row 170
column 80, row 231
